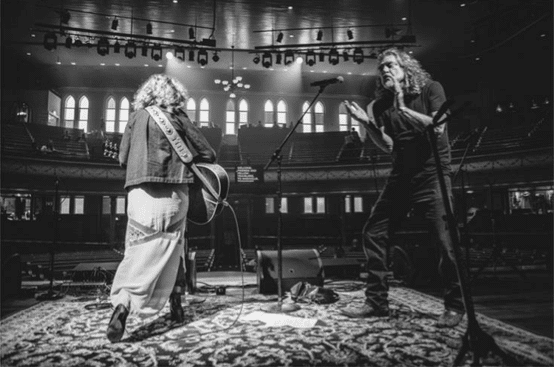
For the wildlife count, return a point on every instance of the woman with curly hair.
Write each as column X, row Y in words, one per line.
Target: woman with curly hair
column 396, row 121
column 157, row 183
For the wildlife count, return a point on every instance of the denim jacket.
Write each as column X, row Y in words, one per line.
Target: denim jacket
column 149, row 157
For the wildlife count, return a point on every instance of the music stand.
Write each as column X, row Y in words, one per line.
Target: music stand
column 279, row 307
column 475, row 339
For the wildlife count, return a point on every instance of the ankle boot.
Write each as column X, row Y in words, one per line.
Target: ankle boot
column 177, row 313
column 116, row 327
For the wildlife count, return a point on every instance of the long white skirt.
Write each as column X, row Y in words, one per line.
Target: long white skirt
column 153, row 246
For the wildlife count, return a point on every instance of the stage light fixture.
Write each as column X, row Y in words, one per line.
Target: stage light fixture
column 191, row 55
column 116, row 47
column 345, row 55
column 278, row 58
column 50, row 41
column 319, row 35
column 321, row 56
column 267, row 60
column 103, row 46
column 358, row 56
column 78, row 43
column 350, row 34
column 130, row 50
column 191, row 33
column 289, row 57
column 65, row 16
column 391, row 32
column 180, row 53
column 280, row 37
column 203, row 57
column 68, row 42
column 156, row 53
column 333, row 56
column 310, row 58
column 256, row 59
column 115, row 24
column 149, row 28
column 215, row 57
column 144, row 50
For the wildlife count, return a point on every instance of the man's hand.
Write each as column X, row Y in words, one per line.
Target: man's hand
column 356, row 112
column 398, row 94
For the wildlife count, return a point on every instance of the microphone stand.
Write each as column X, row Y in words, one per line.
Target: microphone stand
column 475, row 339
column 279, row 307
column 460, row 171
column 51, row 295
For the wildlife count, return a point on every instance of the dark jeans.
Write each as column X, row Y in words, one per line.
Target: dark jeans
column 397, row 198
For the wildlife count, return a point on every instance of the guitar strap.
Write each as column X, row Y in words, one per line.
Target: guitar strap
column 180, row 147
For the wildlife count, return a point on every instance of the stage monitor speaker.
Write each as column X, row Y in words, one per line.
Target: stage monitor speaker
column 297, row 266
column 342, row 268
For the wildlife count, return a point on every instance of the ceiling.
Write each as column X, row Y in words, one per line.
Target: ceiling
column 445, row 31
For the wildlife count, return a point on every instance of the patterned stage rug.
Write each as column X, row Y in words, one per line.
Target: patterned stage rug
column 219, row 331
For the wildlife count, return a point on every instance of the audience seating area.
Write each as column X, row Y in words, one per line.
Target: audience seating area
column 64, row 141
column 36, row 266
column 16, row 140
column 35, row 139
column 256, row 145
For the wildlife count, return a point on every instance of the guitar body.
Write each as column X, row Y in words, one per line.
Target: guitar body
column 203, row 206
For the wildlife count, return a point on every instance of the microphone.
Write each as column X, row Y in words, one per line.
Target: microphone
column 459, row 109
column 326, row 82
column 442, row 110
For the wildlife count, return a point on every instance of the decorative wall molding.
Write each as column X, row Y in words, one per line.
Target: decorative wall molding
column 523, row 168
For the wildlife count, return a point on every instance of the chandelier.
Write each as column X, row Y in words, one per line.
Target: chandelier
column 236, row 81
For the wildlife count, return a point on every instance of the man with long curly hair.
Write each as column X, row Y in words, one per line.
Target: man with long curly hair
column 152, row 270
column 397, row 122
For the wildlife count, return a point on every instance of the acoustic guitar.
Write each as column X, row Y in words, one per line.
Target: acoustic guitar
column 207, row 194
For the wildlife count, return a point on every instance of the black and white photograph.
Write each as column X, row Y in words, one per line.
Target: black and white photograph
column 276, row 183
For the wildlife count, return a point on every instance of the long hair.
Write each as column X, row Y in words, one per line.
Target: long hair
column 162, row 91
column 416, row 76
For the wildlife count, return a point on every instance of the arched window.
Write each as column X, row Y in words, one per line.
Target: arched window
column 318, row 117
column 83, row 113
column 307, row 119
column 204, row 113
column 282, row 113
column 191, row 109
column 344, row 118
column 243, row 112
column 345, row 121
column 123, row 114
column 268, row 113
column 69, row 112
column 110, row 115
column 230, row 118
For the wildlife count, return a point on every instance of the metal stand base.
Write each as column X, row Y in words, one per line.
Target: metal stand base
column 282, row 308
column 480, row 343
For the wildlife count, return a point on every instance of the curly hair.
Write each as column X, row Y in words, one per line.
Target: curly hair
column 162, row 91
column 416, row 76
